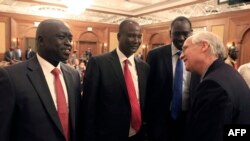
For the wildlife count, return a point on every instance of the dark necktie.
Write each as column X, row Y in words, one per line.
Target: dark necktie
column 61, row 104
column 177, row 89
column 134, row 103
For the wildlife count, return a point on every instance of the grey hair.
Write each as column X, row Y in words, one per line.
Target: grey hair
column 216, row 45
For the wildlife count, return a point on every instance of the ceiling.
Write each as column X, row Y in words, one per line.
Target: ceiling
column 114, row 11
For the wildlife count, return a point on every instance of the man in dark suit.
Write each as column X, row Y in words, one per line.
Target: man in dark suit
column 222, row 97
column 108, row 107
column 29, row 53
column 18, row 52
column 29, row 108
column 162, row 60
column 10, row 55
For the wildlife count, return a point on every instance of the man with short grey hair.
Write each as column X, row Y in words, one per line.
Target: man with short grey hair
column 221, row 97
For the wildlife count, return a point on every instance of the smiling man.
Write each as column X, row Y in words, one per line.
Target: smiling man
column 114, row 90
column 222, row 97
column 40, row 97
column 168, row 99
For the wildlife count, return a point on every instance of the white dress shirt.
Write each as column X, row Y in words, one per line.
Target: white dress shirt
column 50, row 79
column 186, row 78
column 133, row 71
column 244, row 70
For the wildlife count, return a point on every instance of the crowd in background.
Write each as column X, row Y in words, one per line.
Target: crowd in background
column 181, row 91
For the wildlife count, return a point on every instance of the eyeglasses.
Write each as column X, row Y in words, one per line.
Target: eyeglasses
column 184, row 33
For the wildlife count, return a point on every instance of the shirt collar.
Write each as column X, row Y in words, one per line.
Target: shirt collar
column 174, row 49
column 122, row 57
column 45, row 64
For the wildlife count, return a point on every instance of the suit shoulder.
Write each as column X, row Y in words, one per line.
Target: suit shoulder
column 159, row 52
column 101, row 56
column 228, row 78
column 159, row 49
column 67, row 67
column 16, row 67
column 144, row 63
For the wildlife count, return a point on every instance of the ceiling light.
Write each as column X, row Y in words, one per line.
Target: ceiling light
column 36, row 24
column 89, row 29
column 77, row 6
column 51, row 11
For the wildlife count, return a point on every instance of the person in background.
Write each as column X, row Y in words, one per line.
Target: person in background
column 82, row 69
column 244, row 70
column 232, row 56
column 140, row 55
column 166, row 123
column 18, row 52
column 73, row 57
column 40, row 98
column 114, row 90
column 29, row 53
column 10, row 55
column 88, row 54
column 222, row 97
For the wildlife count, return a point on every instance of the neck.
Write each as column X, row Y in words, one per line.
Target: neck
column 206, row 64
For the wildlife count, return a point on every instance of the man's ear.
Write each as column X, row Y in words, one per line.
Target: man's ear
column 204, row 46
column 170, row 33
column 40, row 40
column 118, row 36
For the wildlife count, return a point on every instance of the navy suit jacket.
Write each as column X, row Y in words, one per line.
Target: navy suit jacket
column 160, row 91
column 106, row 102
column 221, row 98
column 27, row 111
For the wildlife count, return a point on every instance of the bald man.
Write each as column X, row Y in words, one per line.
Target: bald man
column 108, row 107
column 30, row 106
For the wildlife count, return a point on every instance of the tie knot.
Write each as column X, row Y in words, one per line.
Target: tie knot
column 126, row 62
column 56, row 71
column 178, row 53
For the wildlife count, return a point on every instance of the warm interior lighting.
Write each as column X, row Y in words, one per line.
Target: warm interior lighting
column 36, row 24
column 77, row 6
column 229, row 44
column 143, row 46
column 51, row 11
column 14, row 42
column 105, row 44
column 89, row 29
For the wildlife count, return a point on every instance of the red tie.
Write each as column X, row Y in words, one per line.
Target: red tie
column 61, row 104
column 135, row 107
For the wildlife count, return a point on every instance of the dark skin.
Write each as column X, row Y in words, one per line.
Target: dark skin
column 233, row 53
column 53, row 41
column 129, row 37
column 180, row 31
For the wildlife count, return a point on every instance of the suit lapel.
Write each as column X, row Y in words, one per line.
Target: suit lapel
column 71, row 95
column 38, row 81
column 141, row 81
column 168, row 60
column 118, row 70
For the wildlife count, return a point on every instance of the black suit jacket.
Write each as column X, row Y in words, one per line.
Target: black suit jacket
column 8, row 57
column 29, row 54
column 221, row 98
column 160, row 84
column 27, row 111
column 107, row 107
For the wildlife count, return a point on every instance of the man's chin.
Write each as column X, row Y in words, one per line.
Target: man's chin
column 134, row 49
column 64, row 59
